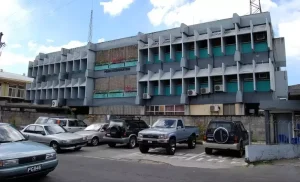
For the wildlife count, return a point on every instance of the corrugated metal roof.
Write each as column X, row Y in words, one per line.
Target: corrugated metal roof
column 15, row 77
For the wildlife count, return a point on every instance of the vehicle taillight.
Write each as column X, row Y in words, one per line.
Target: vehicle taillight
column 235, row 139
column 204, row 137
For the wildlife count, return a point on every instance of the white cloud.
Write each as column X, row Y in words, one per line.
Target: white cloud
column 8, row 58
column 101, row 40
column 115, row 7
column 36, row 48
column 49, row 40
column 14, row 46
column 174, row 12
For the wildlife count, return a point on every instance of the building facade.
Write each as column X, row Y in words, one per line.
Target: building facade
column 224, row 67
column 12, row 86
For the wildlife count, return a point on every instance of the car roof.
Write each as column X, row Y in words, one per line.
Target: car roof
column 2, row 124
column 44, row 124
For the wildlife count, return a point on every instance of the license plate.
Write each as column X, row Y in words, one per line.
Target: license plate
column 149, row 141
column 34, row 169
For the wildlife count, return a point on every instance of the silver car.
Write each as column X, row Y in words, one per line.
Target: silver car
column 94, row 133
column 55, row 136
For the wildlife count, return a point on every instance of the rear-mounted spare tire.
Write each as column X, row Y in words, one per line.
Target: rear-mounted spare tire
column 115, row 131
column 221, row 135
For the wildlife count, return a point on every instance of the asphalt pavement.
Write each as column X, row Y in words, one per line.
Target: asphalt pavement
column 81, row 169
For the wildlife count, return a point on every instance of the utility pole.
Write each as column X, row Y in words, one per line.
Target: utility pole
column 255, row 6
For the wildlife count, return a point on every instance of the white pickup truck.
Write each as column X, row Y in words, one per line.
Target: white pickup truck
column 165, row 133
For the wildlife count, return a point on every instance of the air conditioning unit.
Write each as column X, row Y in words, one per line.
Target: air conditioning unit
column 146, row 96
column 218, row 88
column 54, row 103
column 204, row 91
column 214, row 108
column 191, row 93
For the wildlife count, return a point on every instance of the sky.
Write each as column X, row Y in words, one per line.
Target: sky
column 34, row 26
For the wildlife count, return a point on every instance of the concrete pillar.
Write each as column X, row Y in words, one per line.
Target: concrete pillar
column 267, row 126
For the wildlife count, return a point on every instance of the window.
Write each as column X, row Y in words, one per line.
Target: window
column 81, row 123
column 180, row 123
column 30, row 129
column 39, row 130
column 242, row 127
column 165, row 110
column 12, row 91
column 72, row 123
column 132, row 125
column 62, row 122
column 143, row 125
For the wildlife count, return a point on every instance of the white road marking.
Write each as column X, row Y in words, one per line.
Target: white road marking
column 210, row 160
column 198, row 155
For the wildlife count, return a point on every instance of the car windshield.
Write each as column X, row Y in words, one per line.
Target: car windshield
column 10, row 134
column 54, row 129
column 165, row 123
column 41, row 120
column 214, row 125
column 93, row 127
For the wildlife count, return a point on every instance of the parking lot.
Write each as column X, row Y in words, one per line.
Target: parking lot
column 184, row 157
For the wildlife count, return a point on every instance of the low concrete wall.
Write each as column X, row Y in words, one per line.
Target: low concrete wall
column 256, row 153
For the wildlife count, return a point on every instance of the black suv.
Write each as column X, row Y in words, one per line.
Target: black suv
column 226, row 135
column 124, row 131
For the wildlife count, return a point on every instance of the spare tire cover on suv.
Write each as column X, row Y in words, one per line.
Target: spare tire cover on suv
column 221, row 135
column 115, row 131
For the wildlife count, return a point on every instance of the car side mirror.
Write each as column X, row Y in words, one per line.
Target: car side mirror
column 43, row 133
column 102, row 130
column 26, row 137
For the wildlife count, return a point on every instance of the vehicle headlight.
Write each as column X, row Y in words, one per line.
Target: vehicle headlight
column 140, row 135
column 50, row 156
column 85, row 138
column 10, row 162
column 163, row 136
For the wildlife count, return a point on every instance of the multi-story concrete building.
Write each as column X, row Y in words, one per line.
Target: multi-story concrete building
column 12, row 86
column 224, row 67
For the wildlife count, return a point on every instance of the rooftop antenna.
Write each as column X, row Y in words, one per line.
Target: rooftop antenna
column 255, row 6
column 90, row 37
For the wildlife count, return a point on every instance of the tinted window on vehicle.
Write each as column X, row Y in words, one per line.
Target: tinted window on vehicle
column 72, row 123
column 81, row 123
column 39, row 130
column 30, row 129
column 143, row 125
column 132, row 125
column 62, row 122
column 214, row 125
column 242, row 127
column 180, row 123
column 52, row 121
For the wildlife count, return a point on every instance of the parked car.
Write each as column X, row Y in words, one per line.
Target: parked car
column 71, row 125
column 165, row 133
column 55, row 136
column 43, row 119
column 22, row 158
column 124, row 131
column 226, row 135
column 94, row 133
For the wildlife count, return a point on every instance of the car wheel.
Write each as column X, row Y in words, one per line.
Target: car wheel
column 132, row 142
column 240, row 152
column 208, row 151
column 144, row 149
column 95, row 141
column 171, row 149
column 192, row 142
column 112, row 145
column 55, row 146
column 77, row 149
